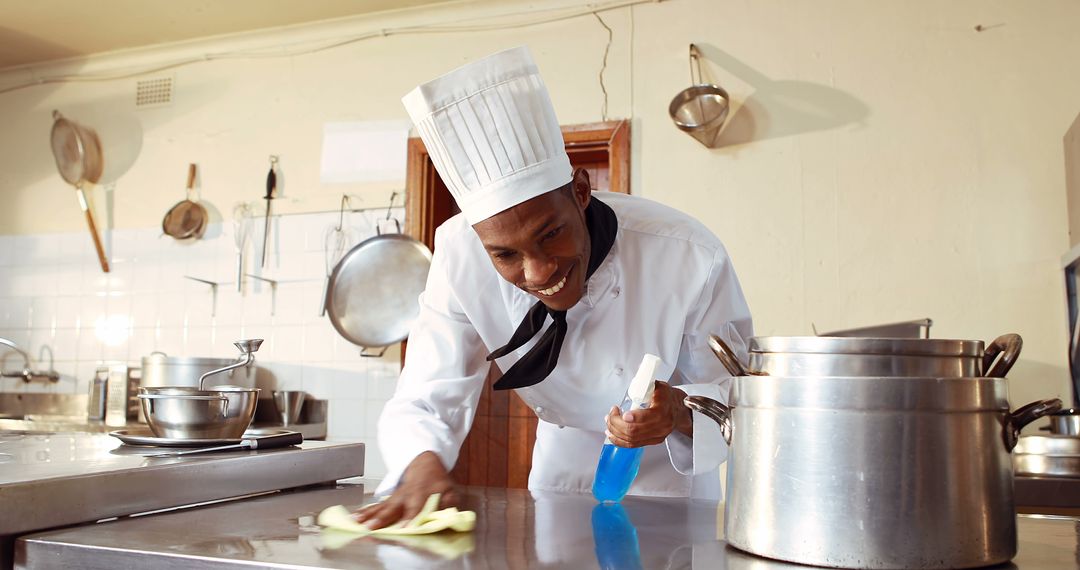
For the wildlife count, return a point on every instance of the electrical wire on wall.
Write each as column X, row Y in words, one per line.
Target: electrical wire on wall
column 603, row 67
column 277, row 52
column 631, row 65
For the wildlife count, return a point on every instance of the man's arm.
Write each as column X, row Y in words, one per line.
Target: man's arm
column 424, row 477
column 422, row 427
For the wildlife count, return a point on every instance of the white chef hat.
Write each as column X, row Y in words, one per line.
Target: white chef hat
column 491, row 131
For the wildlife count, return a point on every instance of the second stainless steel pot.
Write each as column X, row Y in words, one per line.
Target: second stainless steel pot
column 884, row 357
column 1064, row 422
column 159, row 369
column 868, row 472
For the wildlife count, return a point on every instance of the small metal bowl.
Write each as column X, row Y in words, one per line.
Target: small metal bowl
column 179, row 412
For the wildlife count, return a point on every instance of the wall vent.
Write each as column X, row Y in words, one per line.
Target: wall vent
column 155, row 92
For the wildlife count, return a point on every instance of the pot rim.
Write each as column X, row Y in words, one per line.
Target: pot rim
column 851, row 346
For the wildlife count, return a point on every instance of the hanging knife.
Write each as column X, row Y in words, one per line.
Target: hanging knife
column 271, row 187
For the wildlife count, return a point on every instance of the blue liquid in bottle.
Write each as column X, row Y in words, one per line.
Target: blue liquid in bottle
column 616, row 470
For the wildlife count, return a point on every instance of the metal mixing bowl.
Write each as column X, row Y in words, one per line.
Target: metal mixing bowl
column 179, row 412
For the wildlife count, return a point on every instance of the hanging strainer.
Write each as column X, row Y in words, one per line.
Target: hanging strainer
column 700, row 110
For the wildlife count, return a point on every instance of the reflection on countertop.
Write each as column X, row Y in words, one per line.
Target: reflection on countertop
column 515, row 529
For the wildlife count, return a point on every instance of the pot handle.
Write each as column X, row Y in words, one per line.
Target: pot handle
column 715, row 411
column 369, row 352
column 278, row 440
column 728, row 359
column 1015, row 421
column 1008, row 346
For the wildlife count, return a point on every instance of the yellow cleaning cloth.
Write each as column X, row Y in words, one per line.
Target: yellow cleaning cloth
column 342, row 529
column 427, row 521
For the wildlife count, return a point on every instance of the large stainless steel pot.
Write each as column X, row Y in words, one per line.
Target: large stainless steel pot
column 882, row 357
column 159, row 369
column 871, row 472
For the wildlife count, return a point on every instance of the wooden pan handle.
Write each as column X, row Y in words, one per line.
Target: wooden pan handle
column 93, row 231
column 191, row 176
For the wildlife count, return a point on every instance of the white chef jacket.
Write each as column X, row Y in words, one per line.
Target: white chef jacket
column 666, row 284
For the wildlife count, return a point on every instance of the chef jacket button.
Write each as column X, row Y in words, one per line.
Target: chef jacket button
column 618, row 370
column 561, row 426
column 539, row 410
column 615, row 292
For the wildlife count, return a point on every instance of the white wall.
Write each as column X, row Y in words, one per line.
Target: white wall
column 886, row 161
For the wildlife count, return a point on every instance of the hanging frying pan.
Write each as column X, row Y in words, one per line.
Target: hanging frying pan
column 77, row 151
column 372, row 298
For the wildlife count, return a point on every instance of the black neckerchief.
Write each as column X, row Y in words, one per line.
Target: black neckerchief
column 536, row 364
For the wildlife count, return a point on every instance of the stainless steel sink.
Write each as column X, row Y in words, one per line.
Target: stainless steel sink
column 44, row 413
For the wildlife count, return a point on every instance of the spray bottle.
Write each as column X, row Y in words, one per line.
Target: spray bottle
column 618, row 466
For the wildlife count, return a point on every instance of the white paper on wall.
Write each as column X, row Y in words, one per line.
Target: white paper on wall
column 364, row 151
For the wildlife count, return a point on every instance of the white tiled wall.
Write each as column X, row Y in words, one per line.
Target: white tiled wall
column 54, row 299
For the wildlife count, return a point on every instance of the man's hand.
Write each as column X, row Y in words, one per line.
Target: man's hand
column 665, row 414
column 422, row 478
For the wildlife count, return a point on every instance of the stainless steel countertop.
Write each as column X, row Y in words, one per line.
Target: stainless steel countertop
column 48, row 481
column 515, row 529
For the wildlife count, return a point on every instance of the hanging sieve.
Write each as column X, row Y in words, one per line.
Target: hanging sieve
column 700, row 110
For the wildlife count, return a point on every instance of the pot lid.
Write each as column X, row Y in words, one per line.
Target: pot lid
column 850, row 345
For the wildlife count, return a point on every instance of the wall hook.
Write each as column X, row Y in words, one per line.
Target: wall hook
column 213, row 292
column 273, row 291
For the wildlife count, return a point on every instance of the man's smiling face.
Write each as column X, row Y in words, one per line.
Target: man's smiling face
column 542, row 245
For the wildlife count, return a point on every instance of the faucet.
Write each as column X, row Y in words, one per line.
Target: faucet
column 27, row 374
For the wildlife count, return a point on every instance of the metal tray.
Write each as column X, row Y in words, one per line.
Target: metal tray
column 144, row 437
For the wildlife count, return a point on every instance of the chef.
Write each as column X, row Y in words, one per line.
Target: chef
column 565, row 291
